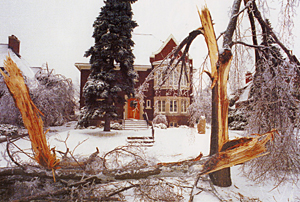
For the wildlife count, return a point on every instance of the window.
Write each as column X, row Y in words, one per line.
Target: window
column 173, row 124
column 173, row 78
column 173, row 106
column 161, row 106
column 183, row 106
column 183, row 80
column 148, row 104
column 160, row 76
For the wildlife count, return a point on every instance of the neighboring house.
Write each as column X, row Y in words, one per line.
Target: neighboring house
column 13, row 49
column 241, row 96
column 162, row 100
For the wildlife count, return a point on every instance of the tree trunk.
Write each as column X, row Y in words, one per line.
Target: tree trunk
column 219, row 132
column 220, row 65
column 222, row 177
column 107, row 123
column 219, row 75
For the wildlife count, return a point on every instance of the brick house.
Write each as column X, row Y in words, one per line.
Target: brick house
column 156, row 101
column 13, row 49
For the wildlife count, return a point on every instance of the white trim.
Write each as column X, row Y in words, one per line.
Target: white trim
column 182, row 106
column 142, row 67
column 87, row 66
column 173, row 106
column 164, row 44
column 81, row 66
column 148, row 106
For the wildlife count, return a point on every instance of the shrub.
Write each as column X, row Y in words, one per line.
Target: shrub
column 53, row 94
column 160, row 119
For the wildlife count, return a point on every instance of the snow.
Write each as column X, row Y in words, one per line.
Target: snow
column 245, row 94
column 172, row 144
column 21, row 63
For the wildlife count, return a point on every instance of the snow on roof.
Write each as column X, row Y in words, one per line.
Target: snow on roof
column 21, row 63
column 245, row 94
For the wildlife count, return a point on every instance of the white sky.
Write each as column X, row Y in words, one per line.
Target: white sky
column 59, row 31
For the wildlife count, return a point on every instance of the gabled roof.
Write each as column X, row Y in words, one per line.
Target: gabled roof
column 165, row 49
column 21, row 63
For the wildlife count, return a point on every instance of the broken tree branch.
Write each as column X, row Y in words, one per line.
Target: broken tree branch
column 249, row 45
column 269, row 30
column 231, row 25
column 30, row 114
column 238, row 151
column 10, row 156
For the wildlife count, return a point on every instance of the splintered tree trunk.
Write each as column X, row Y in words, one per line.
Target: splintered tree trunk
column 219, row 132
column 220, row 65
column 219, row 75
column 30, row 114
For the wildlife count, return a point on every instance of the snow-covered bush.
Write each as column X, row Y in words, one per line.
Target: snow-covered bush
column 54, row 97
column 160, row 118
column 201, row 106
column 116, row 126
column 237, row 119
column 9, row 112
column 160, row 125
column 8, row 130
column 53, row 94
column 183, row 126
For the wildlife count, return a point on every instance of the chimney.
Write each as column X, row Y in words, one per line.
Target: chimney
column 248, row 77
column 14, row 44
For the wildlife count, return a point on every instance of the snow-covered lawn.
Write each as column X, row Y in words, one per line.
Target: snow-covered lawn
column 172, row 144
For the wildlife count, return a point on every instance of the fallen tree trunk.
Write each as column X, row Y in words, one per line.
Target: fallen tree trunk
column 236, row 151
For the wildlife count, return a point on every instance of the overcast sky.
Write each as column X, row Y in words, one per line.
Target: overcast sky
column 59, row 31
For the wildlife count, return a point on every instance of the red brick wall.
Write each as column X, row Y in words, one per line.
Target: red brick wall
column 165, row 51
column 83, row 79
column 14, row 44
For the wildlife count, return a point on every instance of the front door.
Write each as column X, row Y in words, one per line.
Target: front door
column 133, row 108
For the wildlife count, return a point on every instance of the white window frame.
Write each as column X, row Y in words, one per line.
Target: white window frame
column 173, row 108
column 161, row 106
column 148, row 104
column 173, row 79
column 173, row 124
column 160, row 77
column 183, row 81
column 184, row 105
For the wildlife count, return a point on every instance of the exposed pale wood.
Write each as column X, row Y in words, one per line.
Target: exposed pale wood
column 238, row 151
column 219, row 74
column 223, row 103
column 211, row 42
column 242, row 150
column 220, row 65
column 30, row 114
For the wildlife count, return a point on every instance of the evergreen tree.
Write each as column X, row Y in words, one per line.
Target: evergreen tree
column 111, row 62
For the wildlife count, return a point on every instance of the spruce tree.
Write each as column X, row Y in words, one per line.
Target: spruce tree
column 111, row 62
